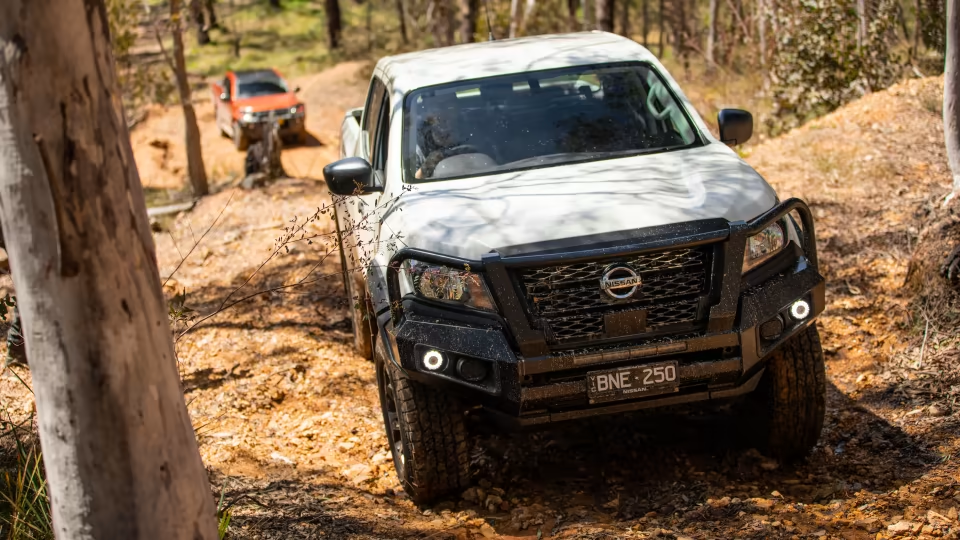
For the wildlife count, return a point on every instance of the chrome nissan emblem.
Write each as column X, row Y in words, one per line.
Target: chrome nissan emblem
column 620, row 282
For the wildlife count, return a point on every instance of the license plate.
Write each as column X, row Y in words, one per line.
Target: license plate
column 632, row 382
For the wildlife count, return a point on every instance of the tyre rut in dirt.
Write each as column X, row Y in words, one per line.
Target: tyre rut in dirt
column 793, row 396
column 431, row 457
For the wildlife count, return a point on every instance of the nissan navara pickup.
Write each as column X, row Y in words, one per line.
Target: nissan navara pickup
column 544, row 229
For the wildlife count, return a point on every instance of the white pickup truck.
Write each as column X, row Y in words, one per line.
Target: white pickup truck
column 544, row 229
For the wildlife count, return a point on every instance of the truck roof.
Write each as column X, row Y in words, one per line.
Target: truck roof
column 503, row 57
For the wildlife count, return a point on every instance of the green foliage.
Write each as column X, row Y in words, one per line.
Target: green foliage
column 179, row 313
column 142, row 80
column 24, row 504
column 819, row 65
column 223, row 515
column 933, row 25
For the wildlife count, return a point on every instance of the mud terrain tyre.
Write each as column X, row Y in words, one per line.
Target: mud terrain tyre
column 426, row 433
column 792, row 397
column 361, row 314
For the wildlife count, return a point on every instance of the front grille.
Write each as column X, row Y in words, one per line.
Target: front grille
column 277, row 114
column 567, row 304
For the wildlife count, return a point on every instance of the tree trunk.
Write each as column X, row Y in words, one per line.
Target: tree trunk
column 646, row 18
column 334, row 26
column 275, row 4
column 572, row 14
column 918, row 27
column 369, row 18
column 951, row 94
column 529, row 7
column 679, row 27
column 402, row 17
column 589, row 20
column 196, row 16
column 514, row 18
column 861, row 23
column 712, row 35
column 762, row 39
column 449, row 22
column 468, row 20
column 625, row 19
column 212, row 21
column 195, row 169
column 604, row 11
column 119, row 449
column 441, row 22
column 662, row 31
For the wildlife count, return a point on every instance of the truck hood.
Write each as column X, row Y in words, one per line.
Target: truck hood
column 470, row 217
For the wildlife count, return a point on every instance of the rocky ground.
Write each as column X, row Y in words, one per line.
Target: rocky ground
column 289, row 423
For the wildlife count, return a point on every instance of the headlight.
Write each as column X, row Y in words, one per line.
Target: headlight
column 247, row 118
column 764, row 245
column 297, row 109
column 445, row 284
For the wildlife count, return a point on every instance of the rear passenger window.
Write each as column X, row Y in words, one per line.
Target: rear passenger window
column 381, row 135
column 371, row 113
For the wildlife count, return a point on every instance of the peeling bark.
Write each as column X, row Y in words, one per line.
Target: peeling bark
column 119, row 449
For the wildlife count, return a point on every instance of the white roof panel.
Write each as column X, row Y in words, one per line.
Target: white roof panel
column 503, row 57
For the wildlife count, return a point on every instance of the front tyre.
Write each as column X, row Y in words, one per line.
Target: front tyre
column 426, row 434
column 792, row 397
column 240, row 140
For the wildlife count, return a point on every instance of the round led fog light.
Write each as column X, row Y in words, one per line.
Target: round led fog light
column 472, row 370
column 799, row 310
column 433, row 360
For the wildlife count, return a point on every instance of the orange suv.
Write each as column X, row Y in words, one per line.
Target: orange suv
column 244, row 98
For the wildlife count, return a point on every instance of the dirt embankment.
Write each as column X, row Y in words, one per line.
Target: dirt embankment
column 289, row 420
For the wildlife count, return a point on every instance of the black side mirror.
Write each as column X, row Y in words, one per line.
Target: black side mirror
column 736, row 126
column 350, row 176
column 295, row 90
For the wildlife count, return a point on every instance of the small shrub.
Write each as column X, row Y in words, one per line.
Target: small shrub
column 819, row 64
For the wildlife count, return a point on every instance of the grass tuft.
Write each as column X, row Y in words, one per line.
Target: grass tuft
column 25, row 512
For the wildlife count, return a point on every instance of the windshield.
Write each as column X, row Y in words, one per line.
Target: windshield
column 539, row 119
column 264, row 86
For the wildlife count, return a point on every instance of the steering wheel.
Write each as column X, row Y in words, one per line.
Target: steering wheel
column 461, row 149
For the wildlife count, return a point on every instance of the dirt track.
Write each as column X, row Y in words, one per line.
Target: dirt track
column 289, row 419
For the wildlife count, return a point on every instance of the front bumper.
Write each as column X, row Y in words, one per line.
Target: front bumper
column 289, row 125
column 532, row 381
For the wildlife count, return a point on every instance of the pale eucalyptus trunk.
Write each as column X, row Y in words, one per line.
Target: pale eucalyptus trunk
column 468, row 20
column 119, row 449
column 951, row 94
column 514, row 17
column 604, row 12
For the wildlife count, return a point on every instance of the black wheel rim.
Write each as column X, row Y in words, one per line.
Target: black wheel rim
column 391, row 420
